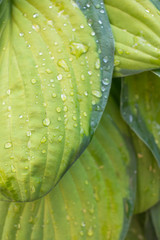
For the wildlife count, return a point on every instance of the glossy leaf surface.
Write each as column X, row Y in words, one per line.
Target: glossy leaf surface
column 155, row 214
column 148, row 177
column 140, row 108
column 94, row 200
column 136, row 29
column 55, row 81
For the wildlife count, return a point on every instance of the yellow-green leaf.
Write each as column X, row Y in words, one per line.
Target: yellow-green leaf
column 55, row 80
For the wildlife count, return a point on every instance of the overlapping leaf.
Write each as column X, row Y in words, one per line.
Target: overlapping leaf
column 136, row 231
column 136, row 29
column 155, row 214
column 141, row 228
column 55, row 80
column 140, row 108
column 148, row 177
column 94, row 200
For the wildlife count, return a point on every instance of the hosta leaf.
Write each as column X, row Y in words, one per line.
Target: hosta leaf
column 136, row 231
column 155, row 215
column 140, row 108
column 141, row 228
column 94, row 200
column 148, row 177
column 115, row 138
column 55, row 80
column 135, row 26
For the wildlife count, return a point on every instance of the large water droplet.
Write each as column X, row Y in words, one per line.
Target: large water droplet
column 46, row 122
column 8, row 145
column 105, row 81
column 44, row 139
column 77, row 49
column 62, row 63
column 97, row 93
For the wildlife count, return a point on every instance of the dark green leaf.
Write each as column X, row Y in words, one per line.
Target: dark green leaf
column 155, row 214
column 141, row 110
column 148, row 177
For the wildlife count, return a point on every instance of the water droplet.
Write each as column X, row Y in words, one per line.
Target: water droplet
column 90, row 232
column 120, row 51
column 74, row 118
column 46, row 122
column 98, row 6
column 36, row 27
column 13, row 169
column 105, row 81
column 50, row 23
column 97, row 64
column 8, row 145
column 44, row 139
column 29, row 133
column 83, row 224
column 116, row 62
column 85, row 114
column 54, row 95
column 48, row 71
column 35, row 15
column 9, row 108
column 65, row 109
column 33, row 81
column 97, row 93
column 21, row 34
column 63, row 97
column 93, row 34
column 8, row 91
column 81, row 26
column 59, row 77
column 58, row 109
column 62, row 63
column 82, row 77
column 105, row 59
column 60, row 138
column 77, row 49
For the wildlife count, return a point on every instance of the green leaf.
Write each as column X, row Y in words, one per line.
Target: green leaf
column 55, row 81
column 135, row 26
column 141, row 228
column 156, row 3
column 148, row 177
column 114, row 136
column 155, row 215
column 94, row 200
column 136, row 231
column 140, row 108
